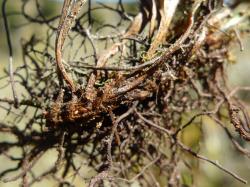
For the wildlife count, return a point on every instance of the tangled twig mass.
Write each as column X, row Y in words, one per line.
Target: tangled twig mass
column 115, row 93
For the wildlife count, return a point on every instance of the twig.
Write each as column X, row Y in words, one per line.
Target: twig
column 27, row 166
column 35, row 104
column 101, row 176
column 11, row 72
column 237, row 34
column 215, row 163
column 141, row 172
column 234, row 142
column 152, row 124
column 69, row 12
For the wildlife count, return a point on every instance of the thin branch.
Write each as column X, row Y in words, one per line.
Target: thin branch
column 8, row 36
column 215, row 163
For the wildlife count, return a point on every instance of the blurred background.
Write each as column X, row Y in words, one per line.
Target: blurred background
column 216, row 145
